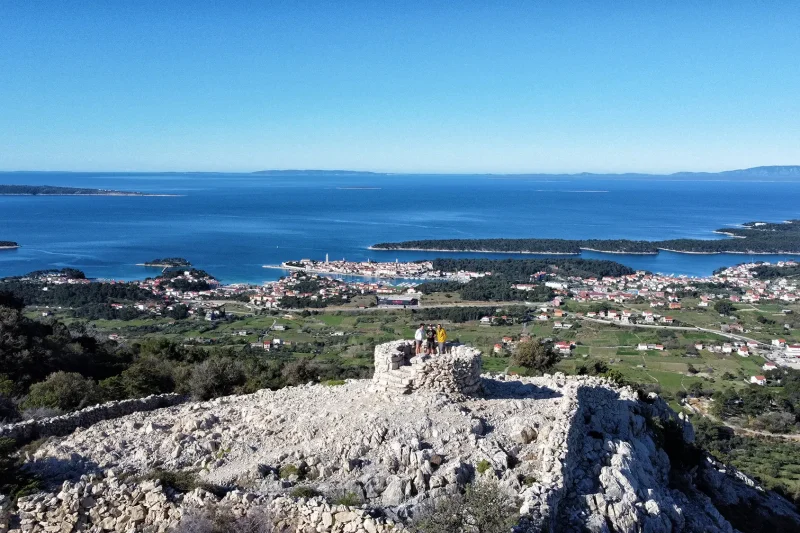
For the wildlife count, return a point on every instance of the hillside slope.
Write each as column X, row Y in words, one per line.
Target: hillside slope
column 575, row 453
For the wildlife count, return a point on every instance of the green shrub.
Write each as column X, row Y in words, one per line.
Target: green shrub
column 485, row 508
column 350, row 499
column 63, row 390
column 182, row 481
column 333, row 382
column 219, row 519
column 14, row 480
column 216, row 377
column 535, row 355
column 482, row 466
column 288, row 470
column 304, row 492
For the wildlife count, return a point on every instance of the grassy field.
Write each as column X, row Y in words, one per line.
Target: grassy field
column 351, row 337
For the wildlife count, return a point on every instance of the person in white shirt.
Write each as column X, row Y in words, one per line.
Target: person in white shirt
column 419, row 337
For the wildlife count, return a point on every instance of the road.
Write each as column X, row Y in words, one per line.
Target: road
column 732, row 336
column 700, row 409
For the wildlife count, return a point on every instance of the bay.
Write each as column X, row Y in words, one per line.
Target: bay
column 232, row 224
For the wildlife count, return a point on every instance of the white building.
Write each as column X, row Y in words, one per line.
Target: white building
column 793, row 350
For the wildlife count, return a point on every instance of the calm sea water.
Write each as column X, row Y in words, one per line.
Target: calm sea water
column 232, row 224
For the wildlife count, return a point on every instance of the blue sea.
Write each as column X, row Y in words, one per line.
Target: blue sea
column 232, row 224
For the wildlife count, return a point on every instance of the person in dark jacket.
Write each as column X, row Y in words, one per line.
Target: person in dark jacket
column 430, row 337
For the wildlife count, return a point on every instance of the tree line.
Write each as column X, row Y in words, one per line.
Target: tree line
column 753, row 238
column 521, row 270
column 47, row 367
column 488, row 288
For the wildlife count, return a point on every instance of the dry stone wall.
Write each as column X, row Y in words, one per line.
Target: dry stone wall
column 456, row 372
column 29, row 430
column 111, row 504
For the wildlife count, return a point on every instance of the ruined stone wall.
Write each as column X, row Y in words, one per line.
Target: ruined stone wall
column 457, row 372
column 29, row 430
column 95, row 505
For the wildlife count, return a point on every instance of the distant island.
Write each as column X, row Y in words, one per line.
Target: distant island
column 750, row 238
column 763, row 172
column 50, row 190
column 167, row 262
column 312, row 172
column 7, row 245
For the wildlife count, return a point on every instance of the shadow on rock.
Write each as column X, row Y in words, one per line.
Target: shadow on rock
column 495, row 389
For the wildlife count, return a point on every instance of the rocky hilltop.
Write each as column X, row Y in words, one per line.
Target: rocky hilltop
column 573, row 453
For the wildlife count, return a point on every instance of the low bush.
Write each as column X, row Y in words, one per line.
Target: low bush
column 218, row 519
column 350, row 499
column 287, row 471
column 482, row 466
column 304, row 492
column 14, row 480
column 182, row 481
column 484, row 508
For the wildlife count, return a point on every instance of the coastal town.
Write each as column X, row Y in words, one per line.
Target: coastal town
column 641, row 299
column 417, row 270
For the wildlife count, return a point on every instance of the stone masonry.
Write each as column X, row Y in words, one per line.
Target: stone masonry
column 398, row 369
column 24, row 432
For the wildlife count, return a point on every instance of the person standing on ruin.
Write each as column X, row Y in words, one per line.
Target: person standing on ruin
column 419, row 336
column 441, row 338
column 431, row 338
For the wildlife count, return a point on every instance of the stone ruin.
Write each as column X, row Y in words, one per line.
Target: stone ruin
column 398, row 369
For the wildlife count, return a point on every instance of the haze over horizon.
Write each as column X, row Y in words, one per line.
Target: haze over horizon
column 576, row 87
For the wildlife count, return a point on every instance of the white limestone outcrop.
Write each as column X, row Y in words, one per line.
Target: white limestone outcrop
column 578, row 453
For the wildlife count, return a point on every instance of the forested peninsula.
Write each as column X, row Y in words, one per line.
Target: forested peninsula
column 4, row 245
column 50, row 190
column 750, row 238
column 168, row 262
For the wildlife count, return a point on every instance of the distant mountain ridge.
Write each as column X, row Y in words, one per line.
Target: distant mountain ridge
column 774, row 171
column 313, row 172
column 768, row 171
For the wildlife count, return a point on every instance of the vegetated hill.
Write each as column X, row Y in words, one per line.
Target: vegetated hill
column 29, row 289
column 169, row 261
column 774, row 271
column 506, row 272
column 775, row 171
column 521, row 269
column 752, row 237
column 548, row 454
column 8, row 244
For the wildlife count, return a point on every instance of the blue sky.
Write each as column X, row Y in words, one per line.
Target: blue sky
column 560, row 86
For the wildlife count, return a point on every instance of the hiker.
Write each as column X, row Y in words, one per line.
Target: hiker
column 441, row 338
column 419, row 336
column 431, row 338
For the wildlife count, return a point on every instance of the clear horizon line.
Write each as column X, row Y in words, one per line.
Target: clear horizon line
column 408, row 173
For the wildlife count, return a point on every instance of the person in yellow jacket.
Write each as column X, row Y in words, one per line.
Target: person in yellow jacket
column 441, row 337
